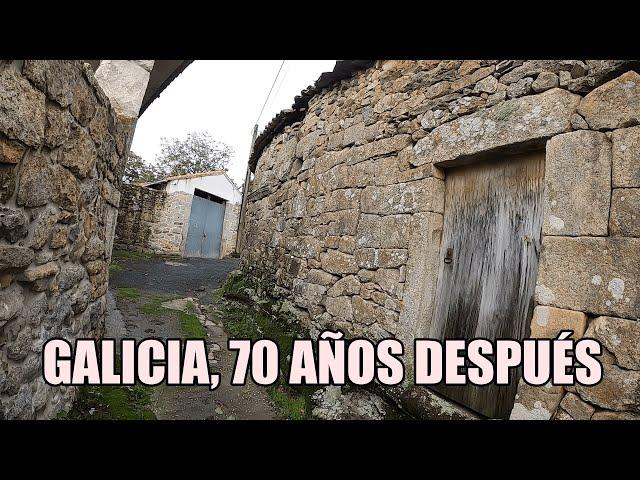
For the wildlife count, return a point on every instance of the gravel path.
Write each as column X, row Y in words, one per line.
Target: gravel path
column 187, row 277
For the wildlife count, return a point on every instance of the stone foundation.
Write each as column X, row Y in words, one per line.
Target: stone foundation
column 345, row 212
column 62, row 153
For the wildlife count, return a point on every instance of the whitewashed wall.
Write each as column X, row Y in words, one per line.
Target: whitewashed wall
column 219, row 185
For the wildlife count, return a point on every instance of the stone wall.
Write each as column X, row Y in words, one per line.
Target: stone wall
column 152, row 220
column 345, row 211
column 155, row 221
column 230, row 229
column 62, row 153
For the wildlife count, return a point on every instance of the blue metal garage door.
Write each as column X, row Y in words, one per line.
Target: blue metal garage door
column 205, row 229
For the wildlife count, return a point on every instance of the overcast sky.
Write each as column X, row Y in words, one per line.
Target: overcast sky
column 224, row 98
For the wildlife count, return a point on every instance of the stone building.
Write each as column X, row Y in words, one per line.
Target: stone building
column 436, row 199
column 193, row 215
column 65, row 132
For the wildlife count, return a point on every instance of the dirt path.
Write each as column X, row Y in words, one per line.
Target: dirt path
column 138, row 288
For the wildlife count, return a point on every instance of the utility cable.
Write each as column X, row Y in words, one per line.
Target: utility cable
column 270, row 90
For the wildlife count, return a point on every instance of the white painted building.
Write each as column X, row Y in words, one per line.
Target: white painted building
column 214, row 211
column 216, row 182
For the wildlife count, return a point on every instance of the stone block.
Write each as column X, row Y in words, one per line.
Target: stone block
column 57, row 78
column 349, row 285
column 13, row 224
column 616, row 104
column 70, row 275
column 388, row 279
column 10, row 152
column 548, row 322
column 7, row 182
column 320, row 277
column 339, row 307
column 425, row 195
column 608, row 415
column 626, row 158
column 355, row 134
column 364, row 311
column 22, row 112
column 383, row 232
column 334, row 261
column 536, row 403
column 619, row 390
column 13, row 256
column 545, row 81
column 11, row 302
column 619, row 336
column 421, row 276
column 600, row 276
column 577, row 184
column 625, row 212
column 58, row 126
column 43, row 227
column 344, row 199
column 307, row 294
column 85, row 103
column 524, row 120
column 39, row 272
column 372, row 258
column 125, row 83
column 79, row 153
column 574, row 406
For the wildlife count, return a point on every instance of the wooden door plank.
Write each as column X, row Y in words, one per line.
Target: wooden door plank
column 492, row 228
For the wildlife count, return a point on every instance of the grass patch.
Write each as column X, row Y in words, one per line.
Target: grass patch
column 129, row 293
column 153, row 305
column 290, row 405
column 189, row 322
column 111, row 403
column 243, row 319
column 191, row 326
column 114, row 267
column 131, row 255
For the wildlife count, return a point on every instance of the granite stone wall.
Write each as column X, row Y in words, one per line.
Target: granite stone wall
column 152, row 220
column 230, row 229
column 62, row 153
column 345, row 211
column 155, row 221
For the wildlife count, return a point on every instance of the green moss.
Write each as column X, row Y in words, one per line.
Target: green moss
column 128, row 292
column 191, row 326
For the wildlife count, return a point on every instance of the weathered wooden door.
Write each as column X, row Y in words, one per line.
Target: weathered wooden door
column 489, row 261
column 205, row 228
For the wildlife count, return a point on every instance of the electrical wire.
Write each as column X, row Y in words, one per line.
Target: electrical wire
column 270, row 90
